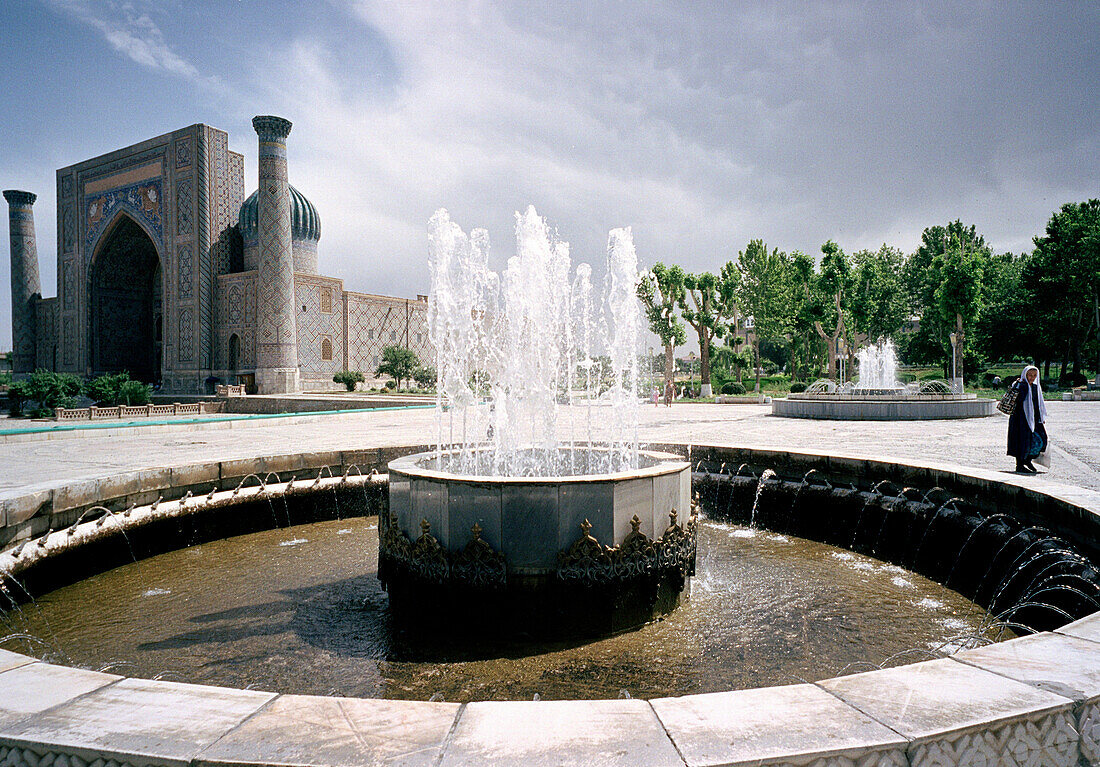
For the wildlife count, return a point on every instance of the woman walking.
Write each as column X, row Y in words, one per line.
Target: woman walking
column 1027, row 436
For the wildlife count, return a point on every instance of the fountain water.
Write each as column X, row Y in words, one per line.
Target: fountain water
column 510, row 347
column 568, row 525
column 878, row 367
column 879, row 396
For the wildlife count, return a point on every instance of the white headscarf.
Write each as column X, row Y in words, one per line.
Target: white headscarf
column 1025, row 400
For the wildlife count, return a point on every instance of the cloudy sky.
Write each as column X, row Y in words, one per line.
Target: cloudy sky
column 701, row 125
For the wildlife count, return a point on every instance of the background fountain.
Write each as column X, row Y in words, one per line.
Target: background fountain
column 538, row 520
column 878, row 395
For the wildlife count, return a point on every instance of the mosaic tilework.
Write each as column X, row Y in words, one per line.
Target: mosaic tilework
column 46, row 337
column 186, row 337
column 185, row 200
column 275, row 311
column 184, row 153
column 183, row 269
column 375, row 322
column 143, row 201
column 315, row 325
column 68, row 227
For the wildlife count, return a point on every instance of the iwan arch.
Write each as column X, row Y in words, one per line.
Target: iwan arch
column 167, row 271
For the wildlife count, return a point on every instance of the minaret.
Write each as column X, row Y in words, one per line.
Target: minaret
column 25, row 286
column 276, row 330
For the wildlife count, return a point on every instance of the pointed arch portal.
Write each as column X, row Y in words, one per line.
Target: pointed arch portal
column 125, row 301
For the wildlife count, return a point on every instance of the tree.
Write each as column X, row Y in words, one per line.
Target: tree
column 877, row 297
column 1066, row 264
column 832, row 281
column 704, row 314
column 803, row 311
column 398, row 363
column 943, row 283
column 349, row 378
column 959, row 292
column 661, row 291
column 762, row 293
column 425, row 377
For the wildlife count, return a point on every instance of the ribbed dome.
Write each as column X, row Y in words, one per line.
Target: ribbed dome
column 305, row 224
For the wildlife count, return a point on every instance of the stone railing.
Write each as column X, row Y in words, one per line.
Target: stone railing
column 94, row 413
column 229, row 390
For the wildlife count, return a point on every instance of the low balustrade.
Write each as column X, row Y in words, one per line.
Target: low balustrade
column 229, row 390
column 94, row 413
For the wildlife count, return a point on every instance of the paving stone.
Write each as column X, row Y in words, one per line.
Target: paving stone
column 795, row 724
column 957, row 714
column 31, row 688
column 139, row 721
column 337, row 732
column 607, row 733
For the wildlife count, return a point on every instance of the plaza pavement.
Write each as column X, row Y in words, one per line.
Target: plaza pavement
column 1074, row 428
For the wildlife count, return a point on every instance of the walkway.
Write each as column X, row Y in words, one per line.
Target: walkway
column 1074, row 429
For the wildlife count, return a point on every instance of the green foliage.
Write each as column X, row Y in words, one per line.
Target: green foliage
column 47, row 390
column 349, row 378
column 134, row 393
column 876, row 294
column 661, row 291
column 390, row 385
column 798, row 386
column 762, row 293
column 705, row 312
column 733, row 388
column 398, row 363
column 104, row 389
column 425, row 377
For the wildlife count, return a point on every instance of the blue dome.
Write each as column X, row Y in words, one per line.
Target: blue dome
column 305, row 224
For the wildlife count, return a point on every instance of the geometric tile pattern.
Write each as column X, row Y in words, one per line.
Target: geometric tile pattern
column 1046, row 740
column 15, row 756
column 276, row 346
column 315, row 325
column 375, row 322
column 183, row 272
column 25, row 285
column 185, row 201
column 891, row 758
column 1088, row 726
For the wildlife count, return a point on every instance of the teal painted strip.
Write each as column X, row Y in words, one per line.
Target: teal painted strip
column 202, row 419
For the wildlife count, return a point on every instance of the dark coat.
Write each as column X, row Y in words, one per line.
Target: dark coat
column 1019, row 435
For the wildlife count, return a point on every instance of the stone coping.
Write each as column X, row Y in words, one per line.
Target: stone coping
column 664, row 463
column 1033, row 700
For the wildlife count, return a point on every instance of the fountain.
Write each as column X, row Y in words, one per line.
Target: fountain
column 540, row 523
column 878, row 395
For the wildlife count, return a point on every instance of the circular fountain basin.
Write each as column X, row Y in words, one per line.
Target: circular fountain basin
column 594, row 553
column 882, row 405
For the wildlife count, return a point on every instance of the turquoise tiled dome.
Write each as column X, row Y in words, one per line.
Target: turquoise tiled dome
column 305, row 224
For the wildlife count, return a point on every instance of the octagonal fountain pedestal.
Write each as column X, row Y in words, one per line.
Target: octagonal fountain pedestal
column 579, row 554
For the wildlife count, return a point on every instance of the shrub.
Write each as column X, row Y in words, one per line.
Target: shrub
column 134, row 393
column 105, row 389
column 733, row 388
column 47, row 390
column 797, row 386
column 349, row 378
column 1071, row 380
column 391, row 385
column 424, row 376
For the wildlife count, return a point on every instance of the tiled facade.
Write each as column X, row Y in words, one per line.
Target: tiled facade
column 184, row 191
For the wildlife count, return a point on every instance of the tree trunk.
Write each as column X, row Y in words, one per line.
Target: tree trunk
column 1046, row 368
column 960, row 337
column 704, row 364
column 756, row 359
